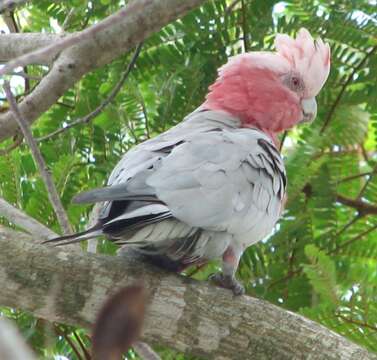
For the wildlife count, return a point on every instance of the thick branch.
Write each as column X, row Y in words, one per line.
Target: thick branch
column 143, row 18
column 15, row 45
column 37, row 56
column 191, row 316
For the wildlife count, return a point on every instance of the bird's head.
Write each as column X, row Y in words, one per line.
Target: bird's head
column 273, row 90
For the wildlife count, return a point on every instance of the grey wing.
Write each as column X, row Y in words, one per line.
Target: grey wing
column 223, row 181
column 129, row 176
column 147, row 153
column 128, row 193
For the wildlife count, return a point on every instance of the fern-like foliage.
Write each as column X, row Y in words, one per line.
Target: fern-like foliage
column 321, row 260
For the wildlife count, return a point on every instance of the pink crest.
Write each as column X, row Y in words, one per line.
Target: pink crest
column 310, row 58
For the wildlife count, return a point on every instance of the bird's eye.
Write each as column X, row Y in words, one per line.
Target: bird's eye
column 295, row 82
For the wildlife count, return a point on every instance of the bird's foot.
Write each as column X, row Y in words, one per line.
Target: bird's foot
column 228, row 282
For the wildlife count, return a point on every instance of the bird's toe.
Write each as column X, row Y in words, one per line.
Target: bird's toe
column 228, row 282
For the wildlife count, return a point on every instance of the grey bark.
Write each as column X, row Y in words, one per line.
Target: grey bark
column 190, row 316
column 143, row 18
column 17, row 44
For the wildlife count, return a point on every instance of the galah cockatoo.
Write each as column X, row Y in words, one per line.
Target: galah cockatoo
column 215, row 184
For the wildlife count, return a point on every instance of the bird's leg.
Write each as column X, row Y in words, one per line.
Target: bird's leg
column 227, row 278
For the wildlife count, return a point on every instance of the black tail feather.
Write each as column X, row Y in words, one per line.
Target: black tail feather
column 73, row 241
column 61, row 239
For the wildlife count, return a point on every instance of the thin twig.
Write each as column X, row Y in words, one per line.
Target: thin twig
column 17, row 142
column 356, row 322
column 244, row 27
column 87, row 118
column 38, row 158
column 349, row 224
column 364, row 152
column 65, row 105
column 364, row 188
column 68, row 340
column 129, row 125
column 82, row 346
column 68, row 18
column 343, row 89
column 145, row 113
column 350, row 241
column 353, row 177
column 285, row 278
column 342, row 230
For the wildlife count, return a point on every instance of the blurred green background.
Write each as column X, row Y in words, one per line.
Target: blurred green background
column 322, row 259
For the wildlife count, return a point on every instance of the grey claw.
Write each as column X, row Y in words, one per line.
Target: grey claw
column 228, row 282
column 238, row 289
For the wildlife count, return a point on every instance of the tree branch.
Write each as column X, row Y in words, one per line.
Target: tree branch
column 19, row 218
column 39, row 160
column 50, row 51
column 245, row 32
column 356, row 176
column 139, row 19
column 15, row 45
column 366, row 184
column 11, row 4
column 347, row 225
column 190, row 316
column 17, row 141
column 356, row 322
column 352, row 240
column 66, row 337
column 361, row 206
column 107, row 101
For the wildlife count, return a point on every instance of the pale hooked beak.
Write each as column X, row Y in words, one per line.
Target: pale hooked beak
column 309, row 109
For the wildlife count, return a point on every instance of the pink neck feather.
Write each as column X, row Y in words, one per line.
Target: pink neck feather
column 256, row 96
